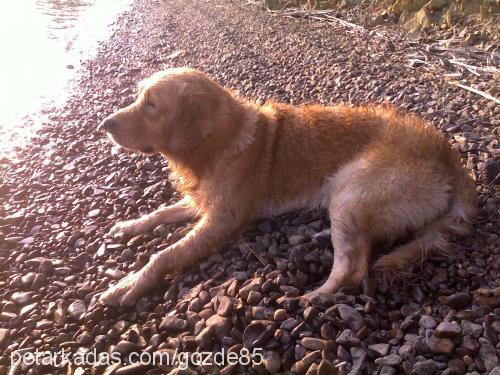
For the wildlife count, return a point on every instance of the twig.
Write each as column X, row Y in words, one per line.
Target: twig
column 472, row 68
column 346, row 23
column 259, row 258
column 320, row 15
column 476, row 91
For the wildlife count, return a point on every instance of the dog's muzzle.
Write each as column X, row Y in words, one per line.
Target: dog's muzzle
column 109, row 124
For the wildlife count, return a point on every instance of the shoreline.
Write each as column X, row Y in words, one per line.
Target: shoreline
column 67, row 189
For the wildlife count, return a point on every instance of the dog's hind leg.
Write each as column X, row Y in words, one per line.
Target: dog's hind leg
column 370, row 204
column 351, row 257
column 180, row 211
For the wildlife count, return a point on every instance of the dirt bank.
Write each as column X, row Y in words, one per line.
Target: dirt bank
column 473, row 21
column 66, row 189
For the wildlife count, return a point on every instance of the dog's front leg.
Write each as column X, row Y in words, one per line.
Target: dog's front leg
column 179, row 211
column 206, row 236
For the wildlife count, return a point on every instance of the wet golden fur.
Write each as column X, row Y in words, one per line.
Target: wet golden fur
column 381, row 175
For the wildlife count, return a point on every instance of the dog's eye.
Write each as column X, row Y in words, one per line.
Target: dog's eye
column 149, row 103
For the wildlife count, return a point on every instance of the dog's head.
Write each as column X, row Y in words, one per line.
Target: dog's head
column 177, row 112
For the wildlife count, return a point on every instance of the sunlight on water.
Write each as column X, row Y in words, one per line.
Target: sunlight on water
column 42, row 43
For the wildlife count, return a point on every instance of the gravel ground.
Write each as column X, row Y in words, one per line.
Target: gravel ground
column 66, row 189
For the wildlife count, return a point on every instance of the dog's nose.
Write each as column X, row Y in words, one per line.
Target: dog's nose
column 109, row 125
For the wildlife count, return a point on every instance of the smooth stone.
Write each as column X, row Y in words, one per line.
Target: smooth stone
column 389, row 360
column 352, row 317
column 296, row 239
column 125, row 347
column 488, row 354
column 27, row 309
column 172, row 324
column 254, row 298
column 221, row 326
column 46, row 267
column 272, row 362
column 326, row 368
column 114, row 274
column 458, row 300
column 280, row 315
column 313, row 343
column 289, row 324
column 21, row 298
column 472, row 329
column 4, row 336
column 381, row 349
column 427, row 367
column 226, row 306
column 258, row 333
column 448, row 330
column 6, row 316
column 388, row 370
column 27, row 279
column 94, row 213
column 77, row 309
column 204, row 338
column 427, row 322
column 348, row 338
column 133, row 369
column 439, row 345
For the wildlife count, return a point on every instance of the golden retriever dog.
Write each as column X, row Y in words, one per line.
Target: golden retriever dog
column 382, row 176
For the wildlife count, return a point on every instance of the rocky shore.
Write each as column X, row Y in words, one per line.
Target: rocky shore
column 68, row 187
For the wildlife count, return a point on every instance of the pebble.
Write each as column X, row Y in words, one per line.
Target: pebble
column 326, row 368
column 21, row 298
column 94, row 213
column 258, row 333
column 225, row 306
column 221, row 326
column 488, row 354
column 425, row 367
column 272, row 361
column 472, row 329
column 125, row 347
column 448, row 330
column 458, row 301
column 388, row 370
column 312, row 343
column 77, row 309
column 352, row 317
column 389, row 360
column 133, row 369
column 427, row 322
column 280, row 315
column 204, row 338
column 172, row 324
column 296, row 240
column 254, row 298
column 4, row 336
column 348, row 338
column 114, row 274
column 381, row 349
column 46, row 267
column 439, row 345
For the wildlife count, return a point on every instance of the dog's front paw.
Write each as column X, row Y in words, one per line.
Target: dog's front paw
column 127, row 291
column 128, row 228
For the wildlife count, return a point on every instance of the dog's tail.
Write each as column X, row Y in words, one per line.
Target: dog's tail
column 435, row 236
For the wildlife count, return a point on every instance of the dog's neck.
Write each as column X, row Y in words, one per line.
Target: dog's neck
column 191, row 168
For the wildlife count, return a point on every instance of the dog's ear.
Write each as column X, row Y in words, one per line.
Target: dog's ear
column 194, row 119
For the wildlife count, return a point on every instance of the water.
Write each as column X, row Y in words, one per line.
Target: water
column 42, row 45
